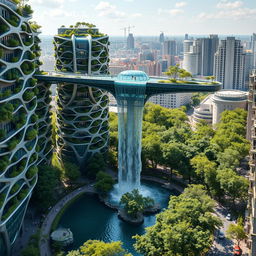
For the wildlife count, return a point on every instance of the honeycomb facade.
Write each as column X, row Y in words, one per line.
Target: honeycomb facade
column 82, row 112
column 19, row 134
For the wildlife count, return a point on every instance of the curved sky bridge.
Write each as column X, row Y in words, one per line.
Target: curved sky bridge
column 131, row 89
column 131, row 80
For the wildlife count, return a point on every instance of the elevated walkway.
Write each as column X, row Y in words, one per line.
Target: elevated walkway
column 154, row 85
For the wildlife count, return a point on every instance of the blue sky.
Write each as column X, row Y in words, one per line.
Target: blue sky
column 150, row 16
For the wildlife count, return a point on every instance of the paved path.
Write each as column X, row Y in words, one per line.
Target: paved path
column 44, row 243
column 165, row 183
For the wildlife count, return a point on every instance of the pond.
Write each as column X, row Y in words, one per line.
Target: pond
column 88, row 219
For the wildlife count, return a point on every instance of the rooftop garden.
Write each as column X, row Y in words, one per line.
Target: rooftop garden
column 179, row 75
column 81, row 25
column 76, row 30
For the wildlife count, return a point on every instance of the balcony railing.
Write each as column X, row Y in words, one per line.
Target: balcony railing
column 9, row 4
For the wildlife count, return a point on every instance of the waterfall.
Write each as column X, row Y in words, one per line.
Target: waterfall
column 130, row 98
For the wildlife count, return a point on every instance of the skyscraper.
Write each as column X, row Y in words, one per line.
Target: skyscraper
column 229, row 64
column 199, row 55
column 24, row 118
column 130, row 42
column 170, row 47
column 161, row 37
column 208, row 47
column 82, row 112
column 253, row 44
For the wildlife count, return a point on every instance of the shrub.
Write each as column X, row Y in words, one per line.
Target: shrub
column 104, row 182
column 12, row 144
column 6, row 110
column 31, row 134
column 2, row 133
column 32, row 171
column 28, row 95
column 71, row 171
column 4, row 162
column 12, row 42
column 134, row 202
column 3, row 28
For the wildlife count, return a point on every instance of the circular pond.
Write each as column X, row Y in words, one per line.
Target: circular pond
column 90, row 219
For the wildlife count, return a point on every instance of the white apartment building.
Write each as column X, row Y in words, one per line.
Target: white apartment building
column 171, row 100
column 229, row 64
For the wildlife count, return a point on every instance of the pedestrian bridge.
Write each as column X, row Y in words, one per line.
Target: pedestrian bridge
column 131, row 80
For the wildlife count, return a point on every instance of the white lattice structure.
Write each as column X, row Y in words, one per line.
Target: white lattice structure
column 19, row 60
column 82, row 112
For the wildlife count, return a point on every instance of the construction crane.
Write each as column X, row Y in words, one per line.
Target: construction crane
column 125, row 29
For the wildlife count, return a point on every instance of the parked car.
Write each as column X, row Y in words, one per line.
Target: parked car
column 221, row 235
column 228, row 217
column 237, row 251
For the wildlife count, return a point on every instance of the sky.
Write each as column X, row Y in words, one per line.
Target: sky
column 149, row 17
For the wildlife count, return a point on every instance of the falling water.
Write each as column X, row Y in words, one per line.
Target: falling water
column 130, row 101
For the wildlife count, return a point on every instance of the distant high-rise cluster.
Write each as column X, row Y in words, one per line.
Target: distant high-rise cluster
column 227, row 60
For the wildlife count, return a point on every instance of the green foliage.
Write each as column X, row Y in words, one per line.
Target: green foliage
column 71, row 171
column 185, row 228
column 44, row 194
column 2, row 134
column 31, row 134
column 4, row 162
column 198, row 97
column 32, row 171
column 104, row 182
column 32, row 248
column 6, row 110
column 28, row 95
column 233, row 185
column 151, row 147
column 163, row 116
column 236, row 232
column 175, row 71
column 12, row 42
column 96, row 163
column 99, row 248
column 135, row 203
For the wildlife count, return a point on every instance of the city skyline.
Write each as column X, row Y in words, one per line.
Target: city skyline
column 204, row 17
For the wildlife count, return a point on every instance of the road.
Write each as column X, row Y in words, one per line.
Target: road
column 222, row 247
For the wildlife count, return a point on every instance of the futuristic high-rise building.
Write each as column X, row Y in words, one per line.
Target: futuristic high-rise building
column 23, row 119
column 82, row 112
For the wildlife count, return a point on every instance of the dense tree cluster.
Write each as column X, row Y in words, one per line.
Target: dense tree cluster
column 99, row 248
column 44, row 194
column 185, row 228
column 207, row 156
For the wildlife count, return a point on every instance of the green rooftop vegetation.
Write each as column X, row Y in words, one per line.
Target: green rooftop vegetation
column 179, row 75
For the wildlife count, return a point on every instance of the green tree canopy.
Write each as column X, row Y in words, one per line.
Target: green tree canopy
column 99, row 248
column 185, row 228
column 134, row 202
column 45, row 190
column 233, row 185
column 236, row 232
